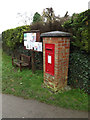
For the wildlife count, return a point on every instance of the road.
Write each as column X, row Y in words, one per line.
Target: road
column 17, row 107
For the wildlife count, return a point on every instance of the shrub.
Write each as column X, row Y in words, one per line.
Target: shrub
column 78, row 26
column 12, row 38
column 46, row 27
column 79, row 69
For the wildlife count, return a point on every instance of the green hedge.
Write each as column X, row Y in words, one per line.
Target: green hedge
column 78, row 26
column 79, row 65
column 12, row 38
column 79, row 70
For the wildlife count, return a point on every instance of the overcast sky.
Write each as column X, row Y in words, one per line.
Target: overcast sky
column 10, row 8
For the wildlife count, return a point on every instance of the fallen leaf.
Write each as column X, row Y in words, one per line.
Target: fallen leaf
column 13, row 89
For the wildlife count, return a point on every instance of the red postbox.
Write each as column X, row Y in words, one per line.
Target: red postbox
column 49, row 58
column 55, row 58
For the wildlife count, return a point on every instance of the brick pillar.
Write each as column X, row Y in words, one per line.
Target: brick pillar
column 61, row 40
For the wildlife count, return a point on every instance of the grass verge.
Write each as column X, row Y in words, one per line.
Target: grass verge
column 29, row 85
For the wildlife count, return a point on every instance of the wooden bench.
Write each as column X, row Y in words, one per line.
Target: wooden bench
column 23, row 61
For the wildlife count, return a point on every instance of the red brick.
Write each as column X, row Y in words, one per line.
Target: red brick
column 61, row 61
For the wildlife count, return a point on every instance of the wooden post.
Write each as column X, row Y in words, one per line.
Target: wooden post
column 33, row 61
column 20, row 66
column 12, row 61
column 29, row 61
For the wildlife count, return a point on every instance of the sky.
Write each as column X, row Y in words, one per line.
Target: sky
column 10, row 8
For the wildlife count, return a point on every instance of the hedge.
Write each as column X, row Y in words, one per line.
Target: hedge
column 79, row 70
column 12, row 38
column 78, row 26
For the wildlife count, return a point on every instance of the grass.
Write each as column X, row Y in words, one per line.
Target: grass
column 30, row 86
column 0, row 70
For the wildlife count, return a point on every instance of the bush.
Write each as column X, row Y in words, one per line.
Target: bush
column 12, row 38
column 79, row 69
column 47, row 27
column 78, row 26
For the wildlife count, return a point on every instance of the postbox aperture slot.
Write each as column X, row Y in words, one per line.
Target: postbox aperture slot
column 48, row 48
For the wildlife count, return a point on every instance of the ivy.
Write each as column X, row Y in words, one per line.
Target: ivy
column 79, row 70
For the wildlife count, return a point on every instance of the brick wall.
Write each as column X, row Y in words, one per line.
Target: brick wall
column 59, row 79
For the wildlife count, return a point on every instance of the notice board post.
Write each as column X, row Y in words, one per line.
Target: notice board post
column 33, row 61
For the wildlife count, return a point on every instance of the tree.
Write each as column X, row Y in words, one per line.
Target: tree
column 66, row 15
column 48, row 15
column 37, row 17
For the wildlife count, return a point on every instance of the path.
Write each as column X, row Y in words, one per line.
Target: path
column 16, row 107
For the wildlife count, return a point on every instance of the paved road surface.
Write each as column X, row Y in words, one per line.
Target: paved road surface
column 16, row 107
